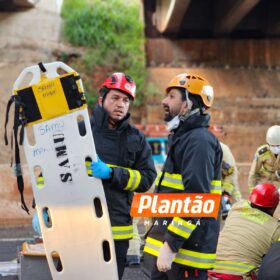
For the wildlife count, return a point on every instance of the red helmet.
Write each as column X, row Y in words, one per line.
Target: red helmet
column 265, row 195
column 121, row 82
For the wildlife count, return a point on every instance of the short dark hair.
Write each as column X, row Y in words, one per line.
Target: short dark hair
column 103, row 91
column 196, row 99
column 267, row 210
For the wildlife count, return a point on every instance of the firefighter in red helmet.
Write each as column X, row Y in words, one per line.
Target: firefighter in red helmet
column 265, row 195
column 124, row 161
column 119, row 81
column 249, row 232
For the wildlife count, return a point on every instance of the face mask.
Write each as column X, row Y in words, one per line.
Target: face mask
column 275, row 149
column 174, row 123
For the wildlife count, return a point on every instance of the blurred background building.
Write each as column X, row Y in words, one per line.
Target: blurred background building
column 233, row 43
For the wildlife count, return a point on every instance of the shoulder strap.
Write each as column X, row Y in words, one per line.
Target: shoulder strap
column 10, row 102
column 19, row 120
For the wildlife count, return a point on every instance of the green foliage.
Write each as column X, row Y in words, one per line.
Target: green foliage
column 112, row 34
column 70, row 5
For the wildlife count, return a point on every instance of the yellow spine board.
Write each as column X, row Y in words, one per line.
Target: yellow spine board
column 50, row 97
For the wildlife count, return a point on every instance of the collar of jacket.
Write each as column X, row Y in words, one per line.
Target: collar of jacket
column 194, row 121
column 100, row 118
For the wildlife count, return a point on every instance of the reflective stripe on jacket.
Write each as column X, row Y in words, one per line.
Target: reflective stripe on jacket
column 174, row 181
column 127, row 152
column 241, row 268
column 184, row 257
column 193, row 165
column 122, row 232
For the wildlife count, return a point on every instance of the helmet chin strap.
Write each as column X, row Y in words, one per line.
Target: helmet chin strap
column 174, row 123
column 189, row 102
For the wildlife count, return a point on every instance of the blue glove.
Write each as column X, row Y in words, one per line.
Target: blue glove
column 100, row 169
column 35, row 221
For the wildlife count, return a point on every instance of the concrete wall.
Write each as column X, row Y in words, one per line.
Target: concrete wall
column 247, row 102
column 245, row 75
column 213, row 52
column 26, row 38
column 40, row 25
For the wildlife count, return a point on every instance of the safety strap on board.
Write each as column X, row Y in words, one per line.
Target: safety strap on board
column 37, row 103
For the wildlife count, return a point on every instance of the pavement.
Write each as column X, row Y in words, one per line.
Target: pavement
column 11, row 239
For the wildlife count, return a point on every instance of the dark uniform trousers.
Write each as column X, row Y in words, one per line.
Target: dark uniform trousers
column 121, row 247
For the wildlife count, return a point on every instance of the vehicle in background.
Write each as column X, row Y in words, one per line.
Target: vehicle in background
column 159, row 148
column 157, row 137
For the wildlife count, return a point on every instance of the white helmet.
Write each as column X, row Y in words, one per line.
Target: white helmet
column 273, row 135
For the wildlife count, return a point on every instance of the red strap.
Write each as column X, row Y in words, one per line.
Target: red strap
column 223, row 276
column 253, row 276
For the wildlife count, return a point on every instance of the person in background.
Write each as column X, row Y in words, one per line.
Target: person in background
column 230, row 186
column 266, row 164
column 229, row 174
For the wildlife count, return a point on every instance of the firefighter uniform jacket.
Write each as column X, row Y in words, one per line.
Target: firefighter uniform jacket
column 193, row 165
column 126, row 150
column 229, row 173
column 264, row 167
column 246, row 237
